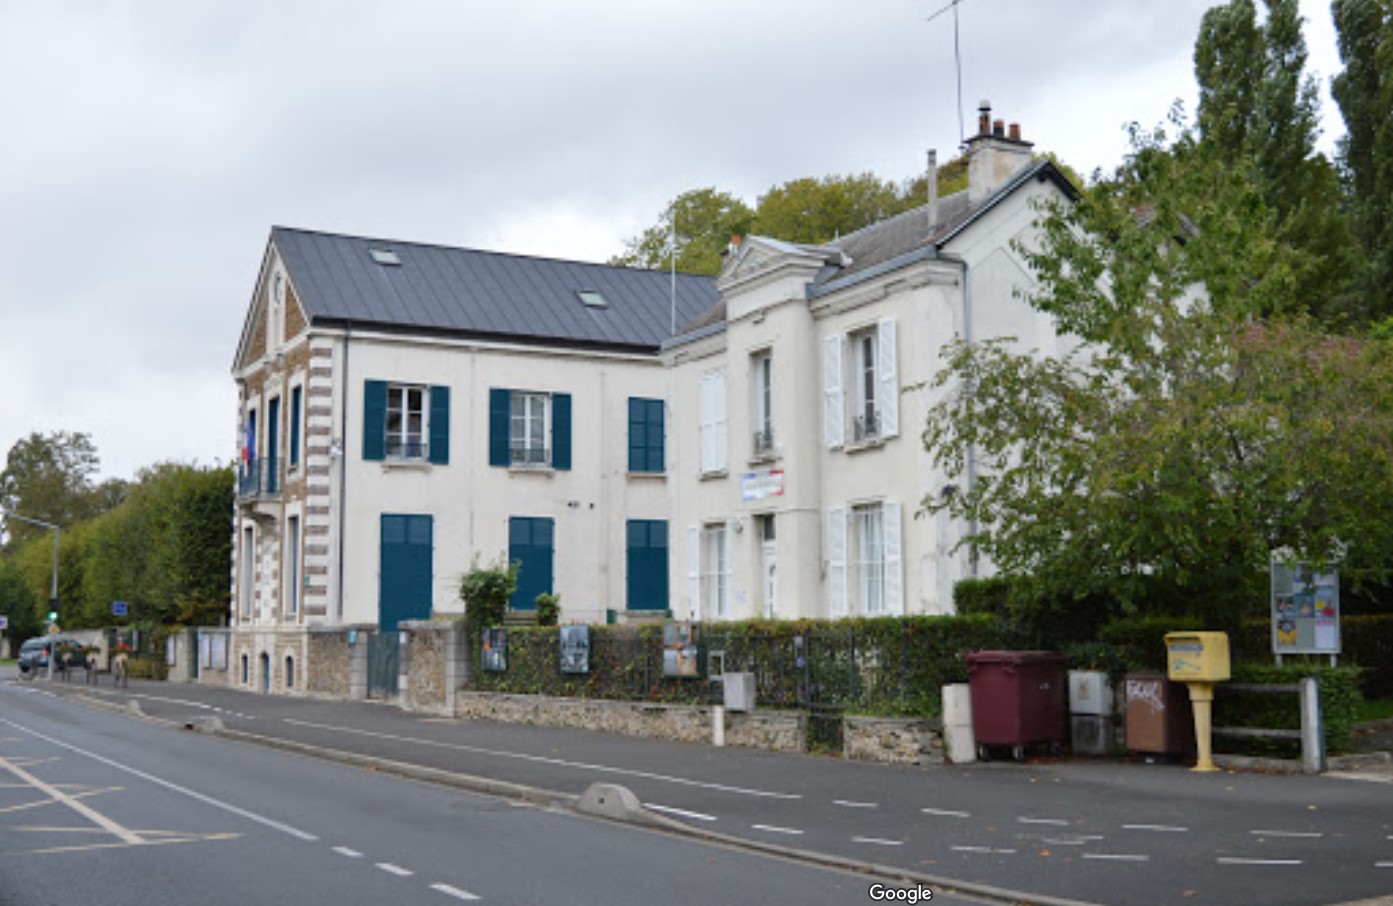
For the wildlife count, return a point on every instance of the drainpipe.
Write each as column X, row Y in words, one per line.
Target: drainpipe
column 343, row 462
column 969, row 339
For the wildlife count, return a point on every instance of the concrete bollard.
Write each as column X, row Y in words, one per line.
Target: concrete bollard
column 1312, row 727
column 959, row 742
column 718, row 726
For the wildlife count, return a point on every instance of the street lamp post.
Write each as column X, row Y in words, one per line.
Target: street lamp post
column 53, row 589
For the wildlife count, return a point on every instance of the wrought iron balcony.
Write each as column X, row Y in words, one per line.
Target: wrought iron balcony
column 530, row 457
column 866, row 426
column 258, row 478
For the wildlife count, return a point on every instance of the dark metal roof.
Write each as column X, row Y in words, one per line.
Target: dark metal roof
column 443, row 290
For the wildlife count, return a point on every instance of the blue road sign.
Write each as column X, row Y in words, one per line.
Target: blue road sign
column 118, row 608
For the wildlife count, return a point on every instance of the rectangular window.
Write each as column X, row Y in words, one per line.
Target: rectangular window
column 762, row 383
column 868, row 551
column 865, row 415
column 248, row 569
column 715, row 571
column 645, row 435
column 291, row 569
column 529, row 427
column 406, row 422
column 713, row 422
column 296, row 408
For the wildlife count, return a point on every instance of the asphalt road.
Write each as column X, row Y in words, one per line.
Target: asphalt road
column 96, row 807
column 1100, row 832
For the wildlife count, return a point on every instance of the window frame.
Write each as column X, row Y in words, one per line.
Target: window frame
column 865, row 389
column 399, row 447
column 869, row 563
column 762, row 402
column 525, row 461
column 645, row 456
column 715, row 570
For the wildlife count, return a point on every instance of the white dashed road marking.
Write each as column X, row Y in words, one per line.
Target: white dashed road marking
column 877, row 841
column 1158, row 828
column 773, row 829
column 945, row 813
column 1277, row 833
column 395, row 870
column 845, row 803
column 983, row 849
column 1057, row 822
column 1117, row 857
column 1228, row 860
column 350, row 853
column 453, row 892
column 541, row 759
column 668, row 810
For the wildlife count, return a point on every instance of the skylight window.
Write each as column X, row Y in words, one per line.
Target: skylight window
column 385, row 256
column 592, row 298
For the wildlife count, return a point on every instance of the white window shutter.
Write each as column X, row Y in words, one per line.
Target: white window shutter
column 718, row 393
column 694, row 569
column 836, row 562
column 894, row 560
column 833, row 409
column 888, row 379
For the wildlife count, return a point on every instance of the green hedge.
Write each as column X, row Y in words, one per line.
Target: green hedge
column 1339, row 698
column 1368, row 642
column 885, row 666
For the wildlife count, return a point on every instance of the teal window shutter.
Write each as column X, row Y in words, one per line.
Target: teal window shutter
column 647, row 556
column 500, row 400
column 645, row 435
column 561, row 431
column 440, row 425
column 295, row 406
column 374, row 420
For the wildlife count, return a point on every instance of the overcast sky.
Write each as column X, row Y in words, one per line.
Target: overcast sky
column 149, row 146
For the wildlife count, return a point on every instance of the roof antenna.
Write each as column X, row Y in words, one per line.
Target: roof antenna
column 957, row 64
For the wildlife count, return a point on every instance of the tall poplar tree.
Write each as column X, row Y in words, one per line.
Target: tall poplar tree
column 1364, row 91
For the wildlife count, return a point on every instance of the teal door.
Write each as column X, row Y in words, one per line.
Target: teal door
column 406, row 571
column 646, row 579
column 273, row 445
column 531, row 543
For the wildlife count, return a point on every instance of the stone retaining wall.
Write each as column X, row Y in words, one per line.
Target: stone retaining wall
column 327, row 667
column 893, row 740
column 775, row 730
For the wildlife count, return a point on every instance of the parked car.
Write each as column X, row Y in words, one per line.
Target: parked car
column 33, row 654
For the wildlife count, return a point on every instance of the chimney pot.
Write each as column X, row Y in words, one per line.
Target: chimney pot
column 999, row 128
column 984, row 117
column 1015, row 132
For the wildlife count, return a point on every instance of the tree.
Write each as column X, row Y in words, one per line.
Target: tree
column 1364, row 91
column 705, row 220
column 815, row 211
column 49, row 477
column 1161, row 462
column 1260, row 109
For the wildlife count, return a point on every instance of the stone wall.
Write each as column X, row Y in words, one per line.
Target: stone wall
column 775, row 730
column 893, row 740
column 327, row 663
column 423, row 666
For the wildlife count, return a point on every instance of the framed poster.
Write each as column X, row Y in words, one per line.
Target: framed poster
column 1305, row 610
column 575, row 649
column 680, row 649
column 495, row 650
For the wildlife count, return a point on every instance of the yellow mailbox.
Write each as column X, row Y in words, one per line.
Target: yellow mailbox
column 1197, row 656
column 1199, row 660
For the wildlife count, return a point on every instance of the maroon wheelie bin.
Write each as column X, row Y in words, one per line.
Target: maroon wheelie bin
column 1018, row 699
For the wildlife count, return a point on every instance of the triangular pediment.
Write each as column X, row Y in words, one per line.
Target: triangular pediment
column 274, row 316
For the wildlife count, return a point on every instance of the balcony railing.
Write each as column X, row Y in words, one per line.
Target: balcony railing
column 867, row 426
column 258, row 478
column 764, row 442
column 530, row 457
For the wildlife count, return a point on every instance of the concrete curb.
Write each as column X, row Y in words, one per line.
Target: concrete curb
column 214, row 726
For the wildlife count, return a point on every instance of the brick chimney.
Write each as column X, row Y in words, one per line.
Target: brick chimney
column 994, row 154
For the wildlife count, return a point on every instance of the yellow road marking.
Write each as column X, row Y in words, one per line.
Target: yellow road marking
column 25, row 806
column 75, row 849
column 72, row 802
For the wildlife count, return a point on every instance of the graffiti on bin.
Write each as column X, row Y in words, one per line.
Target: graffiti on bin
column 1148, row 691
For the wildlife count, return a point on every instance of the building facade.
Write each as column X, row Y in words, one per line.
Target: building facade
column 800, row 399
column 408, row 411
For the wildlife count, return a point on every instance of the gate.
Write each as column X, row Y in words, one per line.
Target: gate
column 384, row 663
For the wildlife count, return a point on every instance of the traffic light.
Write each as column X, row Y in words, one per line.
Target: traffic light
column 53, row 616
